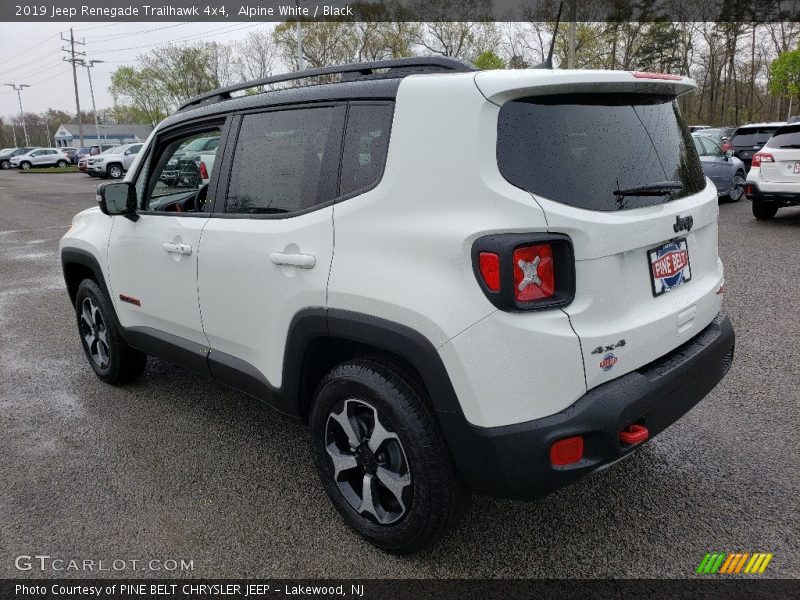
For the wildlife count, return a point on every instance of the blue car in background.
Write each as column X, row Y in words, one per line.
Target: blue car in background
column 726, row 171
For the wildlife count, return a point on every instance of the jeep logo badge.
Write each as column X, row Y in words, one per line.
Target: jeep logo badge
column 682, row 223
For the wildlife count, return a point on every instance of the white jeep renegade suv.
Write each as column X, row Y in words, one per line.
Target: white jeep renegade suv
column 445, row 273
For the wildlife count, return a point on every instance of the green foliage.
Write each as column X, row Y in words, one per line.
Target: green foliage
column 785, row 74
column 489, row 60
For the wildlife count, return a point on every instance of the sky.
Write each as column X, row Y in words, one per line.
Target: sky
column 33, row 56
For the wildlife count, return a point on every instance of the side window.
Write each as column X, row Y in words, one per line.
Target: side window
column 285, row 161
column 698, row 145
column 712, row 149
column 366, row 143
column 179, row 169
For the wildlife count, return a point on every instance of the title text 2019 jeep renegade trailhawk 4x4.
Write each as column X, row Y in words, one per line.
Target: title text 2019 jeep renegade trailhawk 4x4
column 444, row 272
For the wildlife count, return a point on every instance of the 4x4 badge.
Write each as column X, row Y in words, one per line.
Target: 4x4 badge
column 609, row 348
column 682, row 223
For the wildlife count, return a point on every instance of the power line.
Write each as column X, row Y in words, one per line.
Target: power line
column 119, row 36
column 33, row 60
column 196, row 36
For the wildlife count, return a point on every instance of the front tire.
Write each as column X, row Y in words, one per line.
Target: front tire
column 114, row 171
column 382, row 458
column 25, row 165
column 763, row 211
column 111, row 358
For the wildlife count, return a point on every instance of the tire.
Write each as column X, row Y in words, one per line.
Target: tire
column 763, row 211
column 111, row 358
column 412, row 456
column 25, row 165
column 62, row 164
column 114, row 171
column 737, row 188
column 5, row 165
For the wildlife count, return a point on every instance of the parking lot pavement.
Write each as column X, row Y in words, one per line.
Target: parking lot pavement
column 177, row 467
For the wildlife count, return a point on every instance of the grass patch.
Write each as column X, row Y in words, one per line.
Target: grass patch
column 73, row 169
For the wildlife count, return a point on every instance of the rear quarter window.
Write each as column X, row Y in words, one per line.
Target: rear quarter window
column 578, row 149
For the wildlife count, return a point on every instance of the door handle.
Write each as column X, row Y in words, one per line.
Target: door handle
column 184, row 249
column 304, row 261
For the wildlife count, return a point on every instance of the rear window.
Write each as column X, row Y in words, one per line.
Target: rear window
column 579, row 149
column 752, row 136
column 785, row 137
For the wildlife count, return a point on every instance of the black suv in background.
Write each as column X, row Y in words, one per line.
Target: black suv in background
column 749, row 139
column 7, row 155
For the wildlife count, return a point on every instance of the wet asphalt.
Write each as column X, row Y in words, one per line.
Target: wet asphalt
column 177, row 467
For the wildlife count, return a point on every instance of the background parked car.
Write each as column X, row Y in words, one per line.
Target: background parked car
column 693, row 128
column 721, row 135
column 82, row 152
column 7, row 154
column 69, row 151
column 727, row 172
column 749, row 139
column 92, row 158
column 40, row 157
column 114, row 162
column 183, row 167
column 774, row 179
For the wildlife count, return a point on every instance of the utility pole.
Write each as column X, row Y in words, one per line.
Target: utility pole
column 47, row 125
column 18, row 89
column 299, row 39
column 89, row 64
column 572, row 34
column 74, row 60
column 13, row 133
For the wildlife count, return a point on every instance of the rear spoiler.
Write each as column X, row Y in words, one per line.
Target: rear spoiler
column 503, row 85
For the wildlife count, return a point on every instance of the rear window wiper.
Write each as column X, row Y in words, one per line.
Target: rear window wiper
column 659, row 188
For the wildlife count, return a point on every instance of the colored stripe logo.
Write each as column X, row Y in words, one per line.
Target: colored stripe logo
column 731, row 563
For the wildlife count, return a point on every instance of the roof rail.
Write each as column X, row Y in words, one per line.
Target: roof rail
column 400, row 67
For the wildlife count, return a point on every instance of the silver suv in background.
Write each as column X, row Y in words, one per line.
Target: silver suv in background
column 114, row 162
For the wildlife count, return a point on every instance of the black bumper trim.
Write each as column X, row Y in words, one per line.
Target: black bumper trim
column 780, row 198
column 513, row 461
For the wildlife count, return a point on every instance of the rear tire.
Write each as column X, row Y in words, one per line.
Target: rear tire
column 111, row 358
column 737, row 188
column 5, row 165
column 62, row 164
column 393, row 482
column 763, row 211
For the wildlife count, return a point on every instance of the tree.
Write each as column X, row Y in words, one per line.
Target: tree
column 140, row 91
column 489, row 60
column 785, row 75
column 256, row 56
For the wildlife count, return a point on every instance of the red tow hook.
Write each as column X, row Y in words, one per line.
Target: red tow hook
column 634, row 434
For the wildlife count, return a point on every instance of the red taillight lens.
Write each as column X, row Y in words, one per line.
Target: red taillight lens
column 203, row 170
column 534, row 278
column 748, row 190
column 761, row 157
column 566, row 451
column 489, row 264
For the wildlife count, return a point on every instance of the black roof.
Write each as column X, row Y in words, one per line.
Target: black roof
column 375, row 80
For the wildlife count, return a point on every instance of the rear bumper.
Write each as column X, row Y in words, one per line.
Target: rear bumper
column 514, row 461
column 754, row 191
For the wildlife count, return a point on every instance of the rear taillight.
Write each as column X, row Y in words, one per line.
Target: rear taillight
column 748, row 191
column 203, row 170
column 525, row 271
column 761, row 157
column 533, row 273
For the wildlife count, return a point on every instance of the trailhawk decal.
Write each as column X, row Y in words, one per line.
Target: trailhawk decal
column 669, row 266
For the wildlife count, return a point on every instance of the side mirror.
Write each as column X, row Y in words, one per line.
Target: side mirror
column 118, row 198
column 728, row 153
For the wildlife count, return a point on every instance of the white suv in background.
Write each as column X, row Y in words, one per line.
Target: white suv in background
column 774, row 177
column 114, row 162
column 442, row 271
column 40, row 157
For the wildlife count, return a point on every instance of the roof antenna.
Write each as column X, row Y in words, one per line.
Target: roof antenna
column 548, row 63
